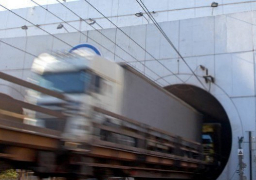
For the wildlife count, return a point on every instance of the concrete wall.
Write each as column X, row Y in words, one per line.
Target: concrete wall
column 120, row 12
column 222, row 42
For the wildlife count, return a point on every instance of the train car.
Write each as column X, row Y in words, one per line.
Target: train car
column 93, row 81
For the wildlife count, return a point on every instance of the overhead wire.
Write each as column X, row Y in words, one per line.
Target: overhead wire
column 17, row 48
column 91, row 26
column 35, row 25
column 26, row 52
column 144, row 7
column 93, row 39
column 52, row 34
column 109, row 40
column 75, row 28
column 132, row 40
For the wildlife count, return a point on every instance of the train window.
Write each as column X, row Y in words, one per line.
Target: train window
column 67, row 81
column 97, row 83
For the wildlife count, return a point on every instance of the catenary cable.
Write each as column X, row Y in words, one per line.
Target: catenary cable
column 35, row 25
column 167, row 38
column 133, row 40
column 75, row 28
column 94, row 40
column 18, row 48
column 109, row 39
column 47, row 31
column 143, row 6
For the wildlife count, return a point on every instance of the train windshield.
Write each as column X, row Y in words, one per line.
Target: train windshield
column 67, row 82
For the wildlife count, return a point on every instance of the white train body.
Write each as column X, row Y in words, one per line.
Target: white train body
column 89, row 80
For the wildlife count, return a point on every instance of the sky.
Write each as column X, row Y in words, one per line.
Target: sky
column 16, row 4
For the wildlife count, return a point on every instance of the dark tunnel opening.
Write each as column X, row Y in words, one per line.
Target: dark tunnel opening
column 214, row 116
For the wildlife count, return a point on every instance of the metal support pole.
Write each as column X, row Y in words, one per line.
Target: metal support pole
column 241, row 173
column 240, row 157
column 250, row 154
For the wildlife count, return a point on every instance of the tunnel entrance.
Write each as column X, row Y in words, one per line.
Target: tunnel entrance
column 214, row 116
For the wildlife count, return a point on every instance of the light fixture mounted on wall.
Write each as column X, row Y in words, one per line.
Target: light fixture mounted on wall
column 207, row 78
column 24, row 27
column 214, row 4
column 204, row 69
column 60, row 26
column 90, row 21
column 139, row 14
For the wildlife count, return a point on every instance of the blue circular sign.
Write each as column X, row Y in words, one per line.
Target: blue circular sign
column 86, row 46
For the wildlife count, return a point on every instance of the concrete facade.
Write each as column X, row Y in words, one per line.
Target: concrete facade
column 222, row 39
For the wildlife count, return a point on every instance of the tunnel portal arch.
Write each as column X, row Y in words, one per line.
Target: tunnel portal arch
column 216, row 108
